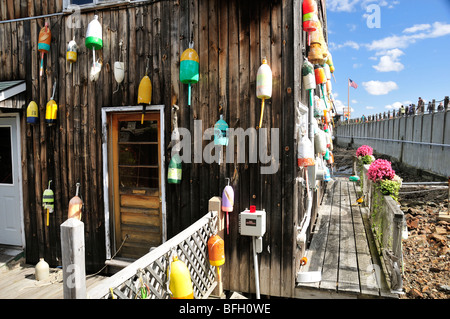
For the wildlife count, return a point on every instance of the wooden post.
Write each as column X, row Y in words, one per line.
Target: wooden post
column 446, row 100
column 72, row 248
column 215, row 205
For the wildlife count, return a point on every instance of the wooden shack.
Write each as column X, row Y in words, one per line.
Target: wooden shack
column 98, row 139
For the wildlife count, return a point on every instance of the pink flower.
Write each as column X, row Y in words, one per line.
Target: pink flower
column 364, row 150
column 379, row 170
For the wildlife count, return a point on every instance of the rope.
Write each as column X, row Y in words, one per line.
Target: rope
column 121, row 245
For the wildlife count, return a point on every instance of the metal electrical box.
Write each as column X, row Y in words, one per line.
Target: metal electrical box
column 252, row 222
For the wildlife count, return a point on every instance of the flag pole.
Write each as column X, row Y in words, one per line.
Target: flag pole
column 348, row 102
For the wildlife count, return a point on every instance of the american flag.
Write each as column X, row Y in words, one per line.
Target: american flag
column 352, row 84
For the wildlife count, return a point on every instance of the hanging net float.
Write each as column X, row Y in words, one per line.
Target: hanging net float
column 189, row 68
column 71, row 54
column 94, row 41
column 228, row 201
column 45, row 37
column 32, row 113
column 263, row 85
column 180, row 283
column 175, row 170
column 305, row 155
column 309, row 10
column 309, row 78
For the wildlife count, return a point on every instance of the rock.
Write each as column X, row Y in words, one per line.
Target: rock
column 416, row 293
column 445, row 288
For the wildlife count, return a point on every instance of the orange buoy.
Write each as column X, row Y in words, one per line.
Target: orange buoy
column 216, row 250
column 45, row 37
column 75, row 205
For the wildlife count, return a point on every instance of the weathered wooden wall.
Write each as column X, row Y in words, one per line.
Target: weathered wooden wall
column 231, row 38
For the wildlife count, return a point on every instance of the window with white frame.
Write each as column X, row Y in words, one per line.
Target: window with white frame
column 81, row 3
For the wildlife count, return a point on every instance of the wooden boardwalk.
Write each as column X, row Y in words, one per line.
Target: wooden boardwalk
column 342, row 249
column 19, row 283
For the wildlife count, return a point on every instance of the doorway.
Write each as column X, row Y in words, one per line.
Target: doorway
column 135, row 182
column 11, row 212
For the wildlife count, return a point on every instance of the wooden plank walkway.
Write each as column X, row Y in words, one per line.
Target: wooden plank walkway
column 342, row 249
column 19, row 283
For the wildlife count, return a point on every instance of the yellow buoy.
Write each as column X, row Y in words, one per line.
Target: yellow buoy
column 144, row 94
column 180, row 280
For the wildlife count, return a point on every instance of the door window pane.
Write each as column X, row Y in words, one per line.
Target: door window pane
column 138, row 177
column 138, row 154
column 6, row 173
column 134, row 131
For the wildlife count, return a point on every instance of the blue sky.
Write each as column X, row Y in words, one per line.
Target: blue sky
column 395, row 57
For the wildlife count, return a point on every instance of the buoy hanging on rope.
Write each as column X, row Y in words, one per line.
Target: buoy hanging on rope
column 309, row 10
column 305, row 155
column 189, row 68
column 145, row 92
column 48, row 201
column 180, row 283
column 309, row 78
column 75, row 205
column 221, row 132
column 32, row 113
column 51, row 110
column 263, row 85
column 45, row 37
column 228, row 201
column 119, row 69
column 216, row 250
column 174, row 172
column 321, row 80
column 94, row 41
column 71, row 54
column 316, row 49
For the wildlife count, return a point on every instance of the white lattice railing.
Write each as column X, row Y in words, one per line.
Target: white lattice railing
column 150, row 271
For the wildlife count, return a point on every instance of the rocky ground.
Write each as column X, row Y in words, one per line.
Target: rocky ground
column 426, row 252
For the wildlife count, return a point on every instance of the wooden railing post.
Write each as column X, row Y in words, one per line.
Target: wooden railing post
column 215, row 205
column 73, row 263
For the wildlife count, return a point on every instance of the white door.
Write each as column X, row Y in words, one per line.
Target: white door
column 10, row 191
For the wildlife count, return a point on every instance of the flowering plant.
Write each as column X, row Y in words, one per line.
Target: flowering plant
column 380, row 170
column 364, row 150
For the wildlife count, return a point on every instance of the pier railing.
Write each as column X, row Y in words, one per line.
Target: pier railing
column 387, row 222
column 150, row 271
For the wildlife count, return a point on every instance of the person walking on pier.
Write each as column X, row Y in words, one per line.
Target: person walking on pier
column 430, row 108
column 412, row 110
column 402, row 110
column 420, row 106
column 440, row 107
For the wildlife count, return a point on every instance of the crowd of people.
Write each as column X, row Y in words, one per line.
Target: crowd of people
column 410, row 110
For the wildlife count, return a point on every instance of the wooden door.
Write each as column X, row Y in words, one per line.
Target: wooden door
column 136, row 182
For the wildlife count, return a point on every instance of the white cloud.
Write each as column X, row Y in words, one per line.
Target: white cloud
column 370, row 107
column 341, row 5
column 341, row 107
column 351, row 44
column 414, row 33
column 380, row 88
column 417, row 27
column 394, row 106
column 390, row 61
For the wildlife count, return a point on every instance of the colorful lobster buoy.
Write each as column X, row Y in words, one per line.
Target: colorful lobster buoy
column 75, row 205
column 228, row 201
column 321, row 80
column 221, row 132
column 309, row 78
column 51, row 110
column 174, row 172
column 305, row 155
column 309, row 10
column 216, row 251
column 32, row 113
column 180, row 283
column 45, row 37
column 48, row 201
column 144, row 94
column 71, row 54
column 94, row 41
column 263, row 85
column 189, row 68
